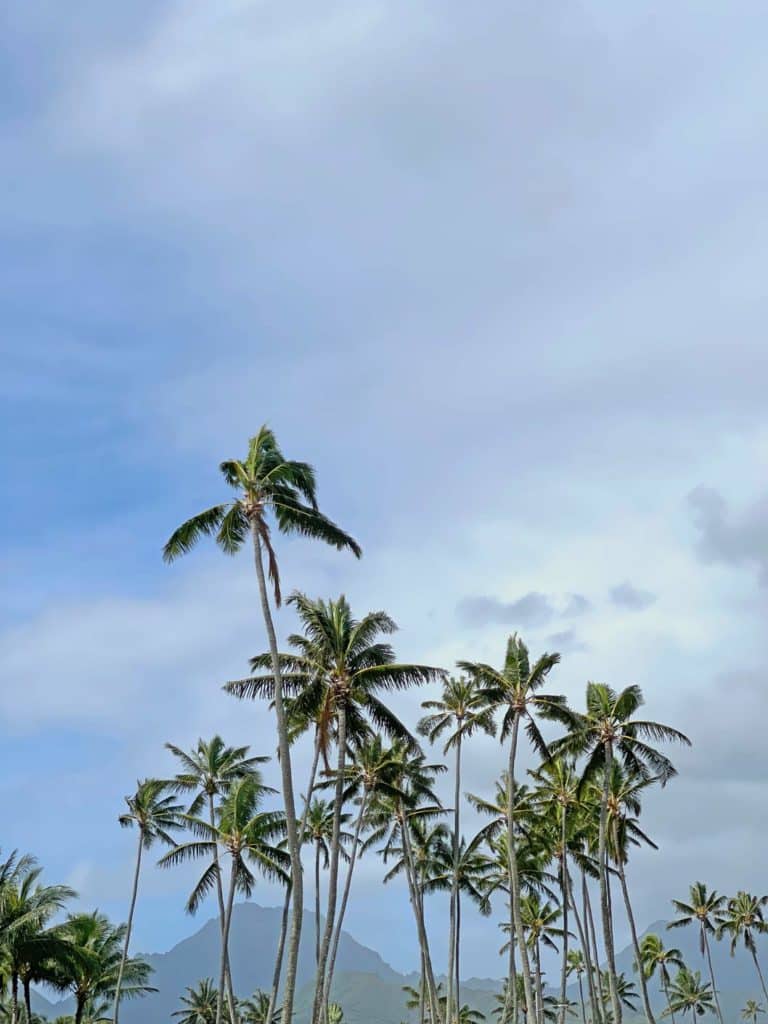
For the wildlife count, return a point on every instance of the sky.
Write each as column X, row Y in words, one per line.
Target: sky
column 497, row 271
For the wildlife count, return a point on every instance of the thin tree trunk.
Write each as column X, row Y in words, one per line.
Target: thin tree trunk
column 633, row 929
column 14, row 998
column 345, row 897
column 565, row 901
column 583, row 930
column 28, row 999
column 434, row 1003
column 712, row 974
column 333, row 873
column 452, row 951
column 225, row 944
column 457, row 989
column 220, row 899
column 422, row 983
column 539, row 985
column 610, row 954
column 129, row 927
column 753, row 951
column 665, row 987
column 292, row 835
column 581, row 1000
column 79, row 1009
column 317, row 905
column 275, row 990
column 598, row 981
column 511, row 1008
column 514, row 875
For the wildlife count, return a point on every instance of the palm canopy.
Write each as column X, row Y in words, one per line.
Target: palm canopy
column 256, row 1009
column 199, row 1003
column 265, row 483
column 688, row 994
column 209, row 769
column 743, row 918
column 338, row 660
column 752, row 1010
column 654, row 956
column 461, row 710
column 702, row 908
column 608, row 728
column 153, row 811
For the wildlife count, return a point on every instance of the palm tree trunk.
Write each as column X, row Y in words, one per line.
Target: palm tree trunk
column 345, row 897
column 225, row 943
column 457, row 989
column 511, row 1009
column 610, row 953
column 454, row 884
column 333, row 873
column 539, row 985
column 317, row 905
column 220, row 899
column 665, row 987
column 422, row 994
column 275, row 990
column 589, row 922
column 708, row 952
column 129, row 926
column 292, row 835
column 14, row 998
column 79, row 1009
column 581, row 1000
column 583, row 930
column 418, row 911
column 565, row 901
column 28, row 999
column 753, row 951
column 633, row 929
column 514, row 875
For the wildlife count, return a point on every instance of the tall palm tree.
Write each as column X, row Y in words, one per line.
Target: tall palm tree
column 344, row 664
column 318, row 831
column 461, row 710
column 703, row 910
column 752, row 1010
column 155, row 815
column 267, row 484
column 244, row 834
column 206, row 772
column 91, row 973
column 687, row 994
column 608, row 729
column 743, row 918
column 654, row 956
column 516, row 690
column 540, row 929
column 199, row 1003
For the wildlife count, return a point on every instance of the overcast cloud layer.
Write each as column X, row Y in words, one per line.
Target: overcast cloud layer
column 497, row 270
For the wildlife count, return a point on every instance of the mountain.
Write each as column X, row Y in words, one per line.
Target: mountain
column 370, row 991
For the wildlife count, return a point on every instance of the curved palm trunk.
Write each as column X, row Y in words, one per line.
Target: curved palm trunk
column 220, row 900
column 129, row 927
column 80, row 1009
column 278, row 970
column 452, row 930
column 514, row 874
column 753, row 951
column 333, row 873
column 583, row 931
column 292, row 835
column 345, row 898
column 565, row 901
column 418, row 911
column 633, row 929
column 589, row 922
column 225, row 944
column 708, row 952
column 605, row 907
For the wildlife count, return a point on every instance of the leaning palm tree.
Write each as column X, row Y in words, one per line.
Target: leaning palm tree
column 654, row 956
column 743, row 919
column 703, row 910
column 687, row 994
column 608, row 729
column 199, row 1003
column 516, row 690
column 344, row 664
column 461, row 710
column 752, row 1010
column 155, row 815
column 206, row 772
column 266, row 483
column 244, row 833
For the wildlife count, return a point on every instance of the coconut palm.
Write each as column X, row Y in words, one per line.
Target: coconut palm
column 540, row 929
column 625, row 990
column 743, row 918
column 752, row 1010
column 335, row 1014
column 244, row 833
column 687, row 994
column 342, row 663
column 576, row 965
column 516, row 690
column 318, row 830
column 702, row 910
column 199, row 1004
column 608, row 729
column 654, row 956
column 155, row 815
column 461, row 710
column 267, row 484
column 257, row 1009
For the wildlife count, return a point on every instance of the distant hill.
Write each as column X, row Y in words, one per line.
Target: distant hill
column 366, row 986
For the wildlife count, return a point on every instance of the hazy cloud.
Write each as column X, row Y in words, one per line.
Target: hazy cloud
column 533, row 609
column 577, row 605
column 625, row 595
column 565, row 642
column 735, row 539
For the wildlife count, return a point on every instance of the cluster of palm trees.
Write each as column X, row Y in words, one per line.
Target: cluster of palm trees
column 76, row 954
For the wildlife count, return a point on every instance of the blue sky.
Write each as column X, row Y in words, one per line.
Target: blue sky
column 498, row 273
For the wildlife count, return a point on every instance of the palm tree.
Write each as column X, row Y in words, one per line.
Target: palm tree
column 199, row 1004
column 91, row 973
column 743, row 918
column 461, row 711
column 752, row 1010
column 155, row 816
column 608, row 730
column 539, row 930
column 335, row 1014
column 343, row 664
column 206, row 773
column 655, row 956
column 266, row 483
column 244, row 833
column 257, row 1009
column 318, row 830
column 625, row 989
column 516, row 689
column 702, row 910
column 687, row 994
column 577, row 966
